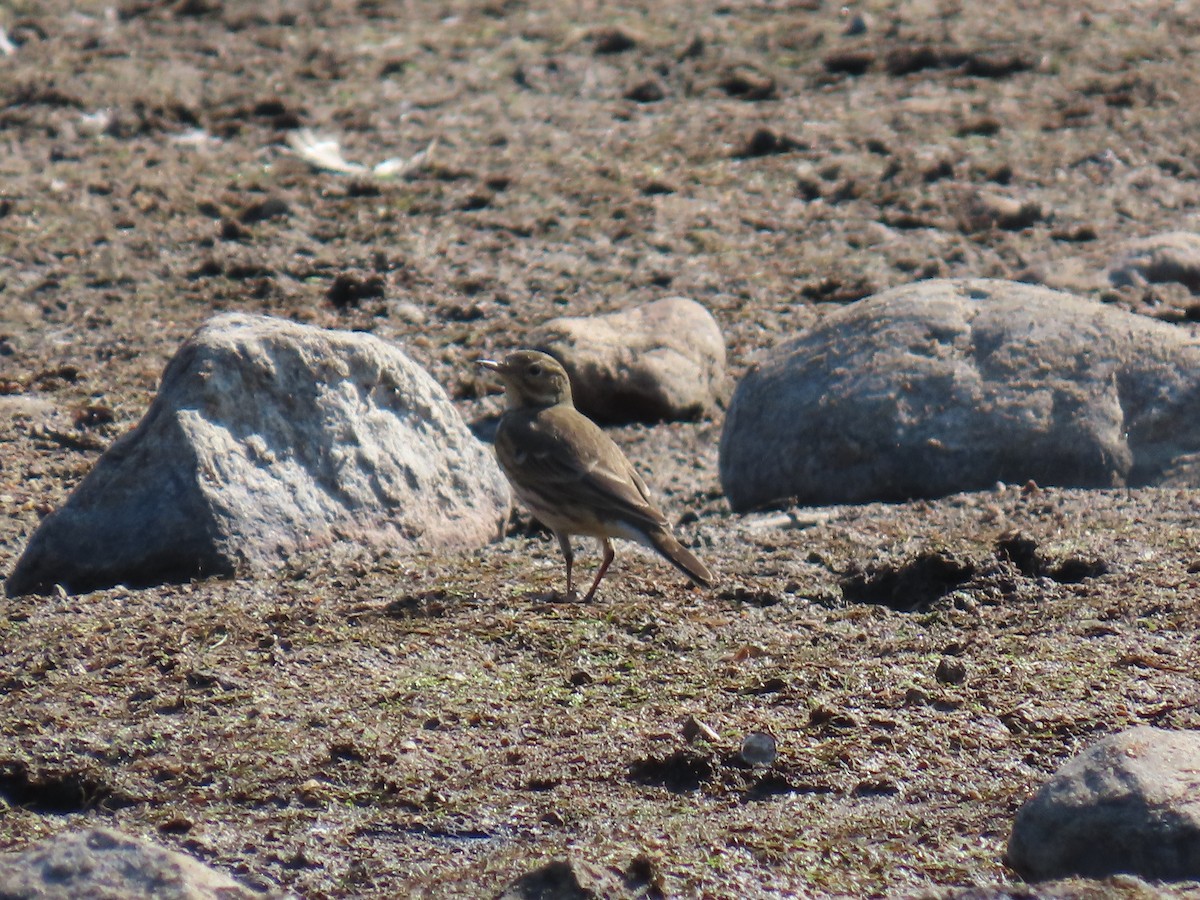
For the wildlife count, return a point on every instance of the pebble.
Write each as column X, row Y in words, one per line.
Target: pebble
column 758, row 749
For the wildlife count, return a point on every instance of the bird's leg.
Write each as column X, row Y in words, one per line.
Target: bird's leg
column 564, row 543
column 609, row 553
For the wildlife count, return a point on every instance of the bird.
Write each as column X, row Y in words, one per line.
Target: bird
column 570, row 474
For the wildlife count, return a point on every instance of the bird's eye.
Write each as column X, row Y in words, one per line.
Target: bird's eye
column 535, row 370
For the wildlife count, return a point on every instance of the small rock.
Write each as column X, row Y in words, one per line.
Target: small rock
column 648, row 91
column 1075, row 275
column 102, row 862
column 747, row 83
column 1026, row 213
column 408, row 312
column 695, row 730
column 857, row 23
column 765, row 142
column 661, row 361
column 1170, row 257
column 477, row 200
column 950, row 670
column 313, row 793
column 848, row 62
column 983, row 211
column 566, row 879
column 998, row 63
column 606, row 41
column 914, row 696
column 747, row 651
column 917, row 57
column 645, row 873
column 1129, row 804
column 758, row 749
column 347, row 289
column 824, row 715
column 656, row 186
column 261, row 211
column 693, row 49
column 232, row 231
column 267, row 437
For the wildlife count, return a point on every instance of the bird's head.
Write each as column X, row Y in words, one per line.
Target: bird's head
column 531, row 379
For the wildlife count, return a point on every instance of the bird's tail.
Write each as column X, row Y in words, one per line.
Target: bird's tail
column 682, row 558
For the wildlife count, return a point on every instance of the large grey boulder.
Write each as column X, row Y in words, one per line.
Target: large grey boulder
column 1130, row 804
column 659, row 362
column 267, row 437
column 951, row 385
column 101, row 862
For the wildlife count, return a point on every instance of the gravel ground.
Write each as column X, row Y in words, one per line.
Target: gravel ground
column 386, row 725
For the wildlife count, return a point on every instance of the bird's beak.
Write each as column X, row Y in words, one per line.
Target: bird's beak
column 490, row 365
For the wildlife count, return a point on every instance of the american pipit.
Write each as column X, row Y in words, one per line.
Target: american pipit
column 570, row 474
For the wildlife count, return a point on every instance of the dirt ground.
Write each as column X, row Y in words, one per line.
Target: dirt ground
column 367, row 726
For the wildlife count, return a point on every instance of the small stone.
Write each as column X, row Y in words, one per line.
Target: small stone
column 747, row 83
column 758, row 749
column 765, row 142
column 232, row 231
column 644, row 871
column 347, row 289
column 695, row 730
column 565, row 878
column 407, row 312
column 748, row 651
column 963, row 601
column 849, row 62
column 1161, row 258
column 606, row 41
column 270, row 208
column 825, row 715
column 951, row 671
column 984, row 210
column 857, row 23
column 313, row 793
column 914, row 696
column 177, row 824
column 648, row 91
column 693, row 49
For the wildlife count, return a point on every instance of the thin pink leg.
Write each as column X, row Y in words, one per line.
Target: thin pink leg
column 564, row 543
column 609, row 553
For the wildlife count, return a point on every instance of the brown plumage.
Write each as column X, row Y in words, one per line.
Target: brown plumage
column 570, row 474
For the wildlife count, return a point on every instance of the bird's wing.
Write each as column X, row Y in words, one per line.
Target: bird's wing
column 565, row 457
